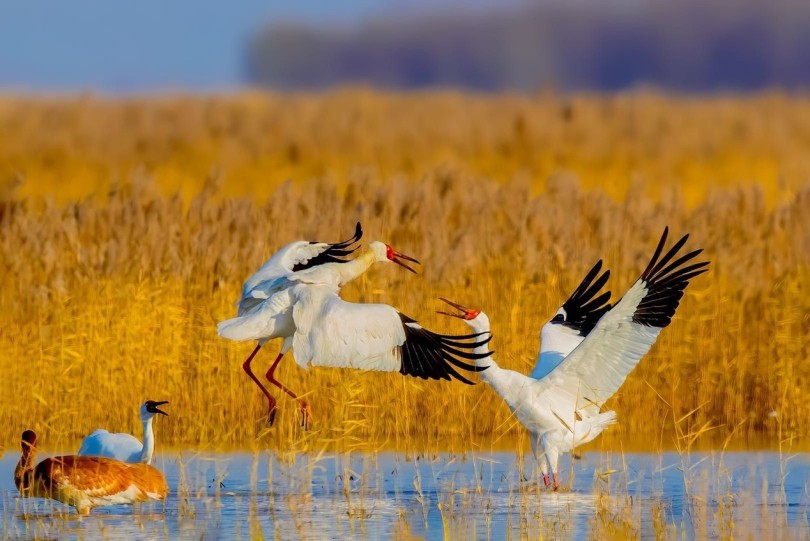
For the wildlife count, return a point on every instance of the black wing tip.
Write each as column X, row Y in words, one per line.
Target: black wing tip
column 586, row 304
column 429, row 355
column 666, row 282
column 337, row 252
column 358, row 234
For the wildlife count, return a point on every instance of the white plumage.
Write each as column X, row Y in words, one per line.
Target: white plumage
column 335, row 333
column 562, row 409
column 125, row 447
column 332, row 332
column 265, row 307
column 296, row 256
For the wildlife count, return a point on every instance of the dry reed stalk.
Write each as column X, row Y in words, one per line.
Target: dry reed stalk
column 111, row 299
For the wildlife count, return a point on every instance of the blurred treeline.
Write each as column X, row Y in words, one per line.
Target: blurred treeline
column 687, row 45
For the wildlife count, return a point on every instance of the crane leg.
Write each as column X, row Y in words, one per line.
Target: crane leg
column 271, row 411
column 272, row 379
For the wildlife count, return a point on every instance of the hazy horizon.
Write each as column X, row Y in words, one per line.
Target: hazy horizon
column 152, row 46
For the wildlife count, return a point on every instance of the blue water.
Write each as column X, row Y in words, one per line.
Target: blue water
column 472, row 496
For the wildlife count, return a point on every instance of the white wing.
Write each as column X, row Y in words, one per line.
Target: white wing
column 124, row 447
column 266, row 312
column 252, row 300
column 269, row 318
column 265, row 307
column 573, row 321
column 596, row 368
column 300, row 255
column 333, row 332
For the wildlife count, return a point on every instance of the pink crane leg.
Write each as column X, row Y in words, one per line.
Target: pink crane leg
column 272, row 379
column 271, row 411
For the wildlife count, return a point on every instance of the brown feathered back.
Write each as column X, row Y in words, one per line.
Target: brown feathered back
column 99, row 477
column 86, row 481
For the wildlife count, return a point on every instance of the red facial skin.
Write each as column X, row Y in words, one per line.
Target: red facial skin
column 398, row 258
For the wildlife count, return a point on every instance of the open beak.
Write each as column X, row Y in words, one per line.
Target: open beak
column 158, row 410
column 459, row 307
column 398, row 258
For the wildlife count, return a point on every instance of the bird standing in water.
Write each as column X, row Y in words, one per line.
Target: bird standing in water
column 126, row 447
column 85, row 482
column 598, row 345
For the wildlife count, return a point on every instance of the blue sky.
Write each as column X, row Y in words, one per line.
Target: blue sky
column 154, row 45
column 137, row 46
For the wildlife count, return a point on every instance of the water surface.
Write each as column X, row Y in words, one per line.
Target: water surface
column 469, row 496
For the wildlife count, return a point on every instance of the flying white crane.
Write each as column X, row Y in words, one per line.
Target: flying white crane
column 335, row 333
column 126, row 447
column 265, row 291
column 266, row 306
column 85, row 482
column 562, row 409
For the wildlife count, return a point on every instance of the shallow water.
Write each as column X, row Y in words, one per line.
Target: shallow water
column 471, row 496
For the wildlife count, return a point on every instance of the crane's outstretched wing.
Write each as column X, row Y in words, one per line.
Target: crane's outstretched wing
column 573, row 321
column 260, row 318
column 333, row 332
column 318, row 253
column 596, row 368
column 296, row 256
column 255, row 299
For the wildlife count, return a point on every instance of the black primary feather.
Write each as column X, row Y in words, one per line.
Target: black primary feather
column 665, row 281
column 428, row 355
column 334, row 253
column 583, row 308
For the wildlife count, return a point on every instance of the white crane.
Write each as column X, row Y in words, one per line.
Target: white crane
column 562, row 409
column 126, row 447
column 335, row 333
column 266, row 306
column 265, row 292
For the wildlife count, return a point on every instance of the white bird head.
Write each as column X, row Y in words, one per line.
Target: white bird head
column 150, row 408
column 384, row 252
column 473, row 317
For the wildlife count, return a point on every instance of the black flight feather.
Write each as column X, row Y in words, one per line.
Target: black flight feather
column 334, row 253
column 428, row 355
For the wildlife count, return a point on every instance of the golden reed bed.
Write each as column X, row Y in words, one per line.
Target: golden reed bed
column 127, row 227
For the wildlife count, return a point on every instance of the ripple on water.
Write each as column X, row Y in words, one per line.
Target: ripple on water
column 374, row 496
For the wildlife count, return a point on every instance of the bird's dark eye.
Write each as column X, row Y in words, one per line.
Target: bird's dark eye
column 559, row 318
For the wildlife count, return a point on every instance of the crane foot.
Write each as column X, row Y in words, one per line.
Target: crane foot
column 307, row 413
column 271, row 416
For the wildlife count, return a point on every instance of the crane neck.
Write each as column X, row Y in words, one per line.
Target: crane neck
column 485, row 362
column 481, row 325
column 25, row 469
column 356, row 267
column 148, row 442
